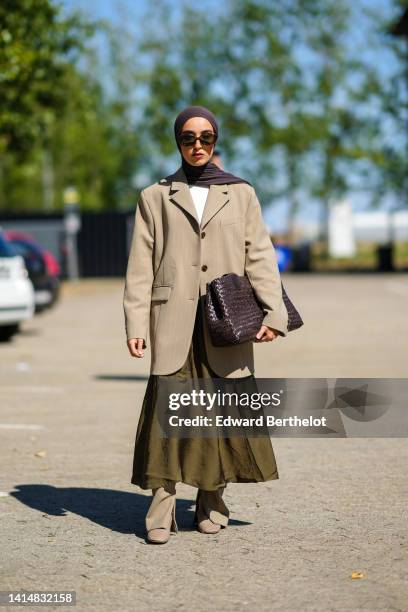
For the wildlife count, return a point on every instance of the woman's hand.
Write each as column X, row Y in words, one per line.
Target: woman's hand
column 135, row 346
column 266, row 334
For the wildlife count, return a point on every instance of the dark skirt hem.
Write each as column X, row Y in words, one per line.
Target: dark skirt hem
column 151, row 481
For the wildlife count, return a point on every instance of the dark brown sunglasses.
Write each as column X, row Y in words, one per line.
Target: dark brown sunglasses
column 188, row 139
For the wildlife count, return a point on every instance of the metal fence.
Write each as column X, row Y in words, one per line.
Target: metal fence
column 103, row 239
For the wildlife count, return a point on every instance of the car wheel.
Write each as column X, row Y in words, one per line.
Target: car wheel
column 7, row 331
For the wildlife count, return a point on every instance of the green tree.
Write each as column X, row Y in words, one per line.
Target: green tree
column 58, row 124
column 304, row 115
column 36, row 48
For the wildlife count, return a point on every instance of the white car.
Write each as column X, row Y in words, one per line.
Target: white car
column 17, row 299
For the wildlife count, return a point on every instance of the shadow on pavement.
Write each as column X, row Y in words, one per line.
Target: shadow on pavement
column 33, row 331
column 119, row 511
column 119, row 377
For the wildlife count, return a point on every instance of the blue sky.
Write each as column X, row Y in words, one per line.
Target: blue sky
column 117, row 11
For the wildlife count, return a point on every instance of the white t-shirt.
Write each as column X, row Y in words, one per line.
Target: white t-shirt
column 199, row 195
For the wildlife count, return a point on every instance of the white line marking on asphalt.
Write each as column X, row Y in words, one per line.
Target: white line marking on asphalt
column 397, row 288
column 20, row 426
column 33, row 389
column 4, row 494
column 22, row 366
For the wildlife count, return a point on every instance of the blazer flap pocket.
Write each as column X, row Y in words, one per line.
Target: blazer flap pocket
column 161, row 293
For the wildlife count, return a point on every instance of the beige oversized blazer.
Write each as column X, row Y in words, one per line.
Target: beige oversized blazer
column 173, row 256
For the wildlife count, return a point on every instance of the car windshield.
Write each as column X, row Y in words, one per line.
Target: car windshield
column 6, row 250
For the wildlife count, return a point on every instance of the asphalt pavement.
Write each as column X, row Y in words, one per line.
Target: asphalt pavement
column 329, row 535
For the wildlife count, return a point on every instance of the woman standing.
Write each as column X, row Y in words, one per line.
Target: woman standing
column 190, row 228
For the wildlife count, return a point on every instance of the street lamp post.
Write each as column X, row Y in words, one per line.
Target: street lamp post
column 72, row 224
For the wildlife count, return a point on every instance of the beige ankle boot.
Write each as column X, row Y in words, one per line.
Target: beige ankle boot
column 211, row 512
column 161, row 516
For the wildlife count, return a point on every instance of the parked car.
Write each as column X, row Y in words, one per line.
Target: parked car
column 43, row 268
column 284, row 256
column 17, row 301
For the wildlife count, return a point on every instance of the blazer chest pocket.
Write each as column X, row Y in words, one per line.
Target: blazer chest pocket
column 161, row 294
column 231, row 221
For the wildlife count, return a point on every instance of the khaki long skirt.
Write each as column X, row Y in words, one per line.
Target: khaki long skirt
column 208, row 463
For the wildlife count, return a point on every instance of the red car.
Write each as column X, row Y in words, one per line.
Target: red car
column 43, row 269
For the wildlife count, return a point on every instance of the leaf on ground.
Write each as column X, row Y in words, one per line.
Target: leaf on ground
column 357, row 575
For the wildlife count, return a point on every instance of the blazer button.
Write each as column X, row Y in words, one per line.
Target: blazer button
column 204, row 268
column 202, row 234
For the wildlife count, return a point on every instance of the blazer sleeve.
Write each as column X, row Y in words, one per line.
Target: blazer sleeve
column 139, row 274
column 261, row 267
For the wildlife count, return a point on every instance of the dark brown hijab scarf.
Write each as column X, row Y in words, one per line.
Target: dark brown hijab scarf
column 209, row 173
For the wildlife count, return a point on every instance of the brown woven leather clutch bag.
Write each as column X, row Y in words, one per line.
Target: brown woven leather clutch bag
column 233, row 312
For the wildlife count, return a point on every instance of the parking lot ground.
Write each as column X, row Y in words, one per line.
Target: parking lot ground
column 71, row 520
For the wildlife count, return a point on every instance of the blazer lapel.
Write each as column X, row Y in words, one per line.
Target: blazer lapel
column 218, row 195
column 180, row 193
